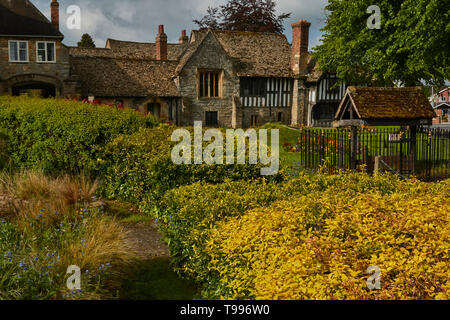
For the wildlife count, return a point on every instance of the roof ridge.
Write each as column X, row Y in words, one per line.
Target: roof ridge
column 138, row 42
column 126, row 59
column 246, row 32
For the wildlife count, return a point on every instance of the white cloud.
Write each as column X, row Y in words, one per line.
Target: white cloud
column 138, row 20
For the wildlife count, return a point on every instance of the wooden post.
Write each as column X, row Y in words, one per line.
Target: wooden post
column 353, row 147
column 413, row 132
column 377, row 167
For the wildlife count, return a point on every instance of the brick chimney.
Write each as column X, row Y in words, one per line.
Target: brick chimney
column 161, row 44
column 54, row 8
column 183, row 38
column 300, row 39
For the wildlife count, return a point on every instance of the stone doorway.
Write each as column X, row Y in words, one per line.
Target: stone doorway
column 41, row 90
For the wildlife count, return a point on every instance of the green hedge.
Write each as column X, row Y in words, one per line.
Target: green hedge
column 138, row 168
column 59, row 135
column 4, row 156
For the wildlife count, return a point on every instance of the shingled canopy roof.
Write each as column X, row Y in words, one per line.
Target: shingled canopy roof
column 258, row 54
column 384, row 106
column 113, row 77
column 22, row 18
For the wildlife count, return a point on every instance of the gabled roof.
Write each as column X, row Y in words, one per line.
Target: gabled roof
column 113, row 77
column 197, row 38
column 258, row 54
column 443, row 90
column 442, row 105
column 22, row 18
column 387, row 103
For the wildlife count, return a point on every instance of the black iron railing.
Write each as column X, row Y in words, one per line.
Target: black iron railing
column 424, row 153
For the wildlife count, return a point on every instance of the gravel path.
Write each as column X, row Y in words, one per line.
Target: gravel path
column 145, row 240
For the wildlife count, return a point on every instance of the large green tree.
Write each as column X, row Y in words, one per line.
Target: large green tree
column 410, row 48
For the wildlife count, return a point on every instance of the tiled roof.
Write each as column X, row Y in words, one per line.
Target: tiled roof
column 130, row 68
column 390, row 103
column 91, row 52
column 258, row 54
column 22, row 18
column 112, row 77
column 139, row 50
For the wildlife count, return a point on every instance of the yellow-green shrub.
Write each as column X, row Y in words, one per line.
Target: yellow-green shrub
column 319, row 246
column 188, row 214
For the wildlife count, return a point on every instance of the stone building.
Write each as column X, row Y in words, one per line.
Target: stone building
column 32, row 55
column 223, row 78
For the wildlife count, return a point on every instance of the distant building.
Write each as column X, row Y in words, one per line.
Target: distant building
column 223, row 78
column 441, row 104
column 32, row 55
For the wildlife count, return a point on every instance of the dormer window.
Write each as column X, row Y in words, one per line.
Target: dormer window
column 46, row 51
column 18, row 51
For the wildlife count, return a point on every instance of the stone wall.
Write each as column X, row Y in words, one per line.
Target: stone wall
column 59, row 71
column 209, row 56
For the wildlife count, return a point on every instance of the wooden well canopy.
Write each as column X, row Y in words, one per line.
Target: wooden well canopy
column 371, row 106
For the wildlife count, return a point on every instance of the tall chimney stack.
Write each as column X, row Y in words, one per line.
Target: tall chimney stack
column 300, row 39
column 161, row 44
column 54, row 8
column 183, row 38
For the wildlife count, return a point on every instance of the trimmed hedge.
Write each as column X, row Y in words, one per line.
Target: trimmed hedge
column 63, row 136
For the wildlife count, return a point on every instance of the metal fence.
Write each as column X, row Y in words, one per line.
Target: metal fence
column 424, row 153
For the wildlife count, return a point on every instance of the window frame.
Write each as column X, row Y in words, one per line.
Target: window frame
column 46, row 52
column 18, row 51
column 257, row 86
column 219, row 73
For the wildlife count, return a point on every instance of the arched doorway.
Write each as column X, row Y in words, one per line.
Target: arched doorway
column 42, row 90
column 34, row 85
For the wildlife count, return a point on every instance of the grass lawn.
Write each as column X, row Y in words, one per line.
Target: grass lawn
column 155, row 280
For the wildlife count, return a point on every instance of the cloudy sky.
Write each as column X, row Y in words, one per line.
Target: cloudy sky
column 138, row 20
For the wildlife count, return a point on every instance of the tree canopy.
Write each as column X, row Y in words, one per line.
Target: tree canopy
column 244, row 15
column 86, row 41
column 410, row 48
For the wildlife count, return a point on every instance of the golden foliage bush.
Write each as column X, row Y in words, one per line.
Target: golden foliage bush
column 319, row 245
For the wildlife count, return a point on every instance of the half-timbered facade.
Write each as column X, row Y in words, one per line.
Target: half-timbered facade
column 325, row 94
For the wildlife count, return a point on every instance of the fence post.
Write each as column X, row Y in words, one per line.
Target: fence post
column 353, row 147
column 377, row 166
column 413, row 133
